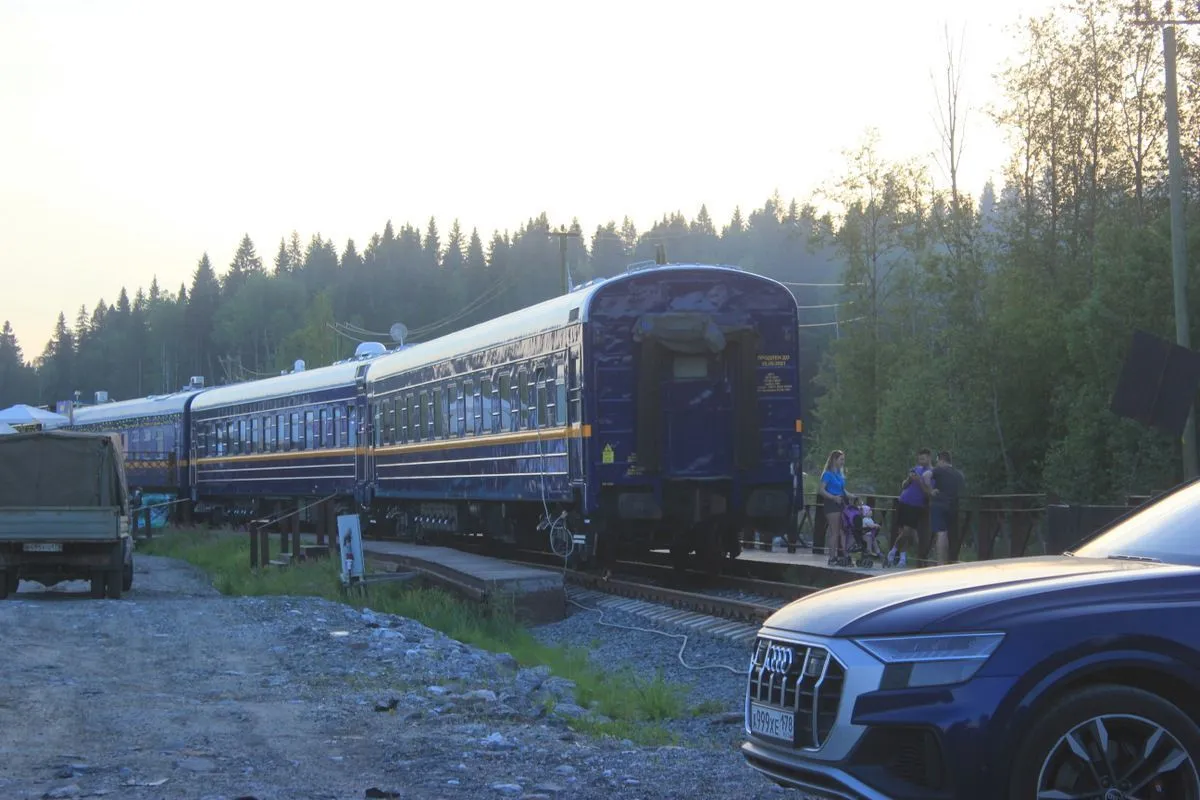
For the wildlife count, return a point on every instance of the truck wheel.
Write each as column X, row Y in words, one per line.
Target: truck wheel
column 1109, row 740
column 98, row 584
column 127, row 577
column 112, row 584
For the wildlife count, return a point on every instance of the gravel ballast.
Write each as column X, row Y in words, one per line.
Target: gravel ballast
column 178, row 692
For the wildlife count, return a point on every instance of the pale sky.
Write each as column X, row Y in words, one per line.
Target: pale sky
column 134, row 136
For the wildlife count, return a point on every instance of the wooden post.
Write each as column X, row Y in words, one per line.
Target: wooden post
column 283, row 536
column 820, row 527
column 331, row 526
column 264, row 544
column 296, row 531
column 254, row 545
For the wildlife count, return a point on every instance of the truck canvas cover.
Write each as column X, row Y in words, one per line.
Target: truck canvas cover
column 62, row 469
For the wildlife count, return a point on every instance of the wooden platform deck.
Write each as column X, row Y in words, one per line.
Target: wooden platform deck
column 806, row 558
column 536, row 594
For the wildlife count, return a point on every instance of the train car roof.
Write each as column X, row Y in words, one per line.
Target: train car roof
column 307, row 380
column 543, row 316
column 137, row 408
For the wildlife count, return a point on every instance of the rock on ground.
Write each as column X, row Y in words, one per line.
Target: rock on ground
column 175, row 691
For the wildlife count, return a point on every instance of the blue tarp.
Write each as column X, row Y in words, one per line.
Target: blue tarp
column 158, row 516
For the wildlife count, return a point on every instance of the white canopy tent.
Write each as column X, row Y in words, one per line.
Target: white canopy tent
column 20, row 416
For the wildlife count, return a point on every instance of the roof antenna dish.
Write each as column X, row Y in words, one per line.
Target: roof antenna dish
column 398, row 332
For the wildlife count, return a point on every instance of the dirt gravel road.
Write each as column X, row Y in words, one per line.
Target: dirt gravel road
column 177, row 692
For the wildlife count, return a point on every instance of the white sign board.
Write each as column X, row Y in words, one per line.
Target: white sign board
column 350, row 547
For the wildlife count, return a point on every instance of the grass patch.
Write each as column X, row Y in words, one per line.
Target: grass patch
column 636, row 706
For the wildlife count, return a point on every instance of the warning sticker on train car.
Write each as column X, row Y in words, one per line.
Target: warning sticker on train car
column 606, row 455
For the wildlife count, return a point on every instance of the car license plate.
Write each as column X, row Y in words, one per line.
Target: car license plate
column 773, row 722
column 43, row 547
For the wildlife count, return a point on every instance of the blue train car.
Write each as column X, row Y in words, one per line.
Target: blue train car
column 655, row 409
column 155, row 437
column 286, row 437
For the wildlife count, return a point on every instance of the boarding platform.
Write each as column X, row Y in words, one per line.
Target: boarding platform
column 818, row 562
column 535, row 595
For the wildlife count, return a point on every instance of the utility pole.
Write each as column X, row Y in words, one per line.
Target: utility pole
column 562, row 234
column 1178, row 239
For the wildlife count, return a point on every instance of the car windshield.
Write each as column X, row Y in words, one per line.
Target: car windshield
column 1164, row 531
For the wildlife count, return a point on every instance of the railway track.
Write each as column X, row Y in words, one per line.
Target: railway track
column 734, row 598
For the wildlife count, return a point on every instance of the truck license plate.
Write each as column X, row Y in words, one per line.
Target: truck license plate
column 43, row 548
column 772, row 722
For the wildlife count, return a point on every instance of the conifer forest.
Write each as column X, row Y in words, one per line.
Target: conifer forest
column 992, row 321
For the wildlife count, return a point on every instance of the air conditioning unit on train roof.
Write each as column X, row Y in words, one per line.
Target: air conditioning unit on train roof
column 196, row 382
column 369, row 350
column 101, row 397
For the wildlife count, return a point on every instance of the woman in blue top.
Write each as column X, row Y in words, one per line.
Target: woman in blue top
column 833, row 496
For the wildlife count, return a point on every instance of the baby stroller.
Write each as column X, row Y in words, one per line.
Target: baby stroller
column 863, row 549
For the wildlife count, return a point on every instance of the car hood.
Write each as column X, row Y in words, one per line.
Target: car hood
column 915, row 600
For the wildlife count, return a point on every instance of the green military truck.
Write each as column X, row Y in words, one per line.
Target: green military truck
column 64, row 512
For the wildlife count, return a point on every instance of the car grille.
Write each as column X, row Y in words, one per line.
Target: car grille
column 804, row 679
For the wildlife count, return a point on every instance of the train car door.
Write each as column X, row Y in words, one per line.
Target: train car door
column 359, row 426
column 697, row 415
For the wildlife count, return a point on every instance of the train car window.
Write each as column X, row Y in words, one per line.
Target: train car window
column 485, row 402
column 389, row 421
column 310, row 430
column 466, row 409
column 160, row 436
column 339, row 429
column 507, row 423
column 542, row 418
column 255, row 433
column 524, row 405
column 352, row 426
column 377, row 417
column 470, row 409
column 401, row 420
column 689, row 367
column 452, row 401
column 560, row 398
column 222, row 438
column 322, row 428
column 416, row 431
column 441, row 426
column 283, row 431
column 268, row 434
column 297, row 432
column 426, row 421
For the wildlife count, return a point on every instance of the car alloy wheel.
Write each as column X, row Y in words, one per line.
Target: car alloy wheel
column 1118, row 757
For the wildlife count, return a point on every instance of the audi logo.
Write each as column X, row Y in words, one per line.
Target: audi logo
column 778, row 658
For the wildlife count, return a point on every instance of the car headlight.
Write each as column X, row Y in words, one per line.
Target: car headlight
column 935, row 660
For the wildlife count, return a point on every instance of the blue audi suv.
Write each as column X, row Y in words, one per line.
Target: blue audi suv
column 1072, row 676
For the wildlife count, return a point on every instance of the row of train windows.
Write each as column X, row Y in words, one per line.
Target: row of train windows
column 473, row 408
column 145, row 441
column 335, row 426
column 461, row 408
